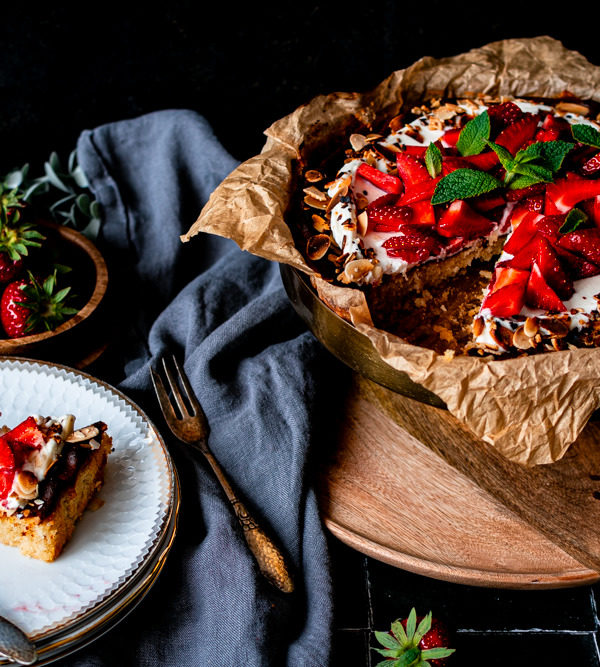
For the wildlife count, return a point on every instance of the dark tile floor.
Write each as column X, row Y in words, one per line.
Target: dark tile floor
column 490, row 627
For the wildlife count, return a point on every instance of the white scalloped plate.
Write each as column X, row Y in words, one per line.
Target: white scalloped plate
column 117, row 550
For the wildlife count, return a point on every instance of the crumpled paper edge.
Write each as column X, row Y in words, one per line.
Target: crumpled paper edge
column 530, row 408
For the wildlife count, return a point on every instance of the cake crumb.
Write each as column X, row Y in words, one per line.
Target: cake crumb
column 449, row 355
column 444, row 333
column 486, row 274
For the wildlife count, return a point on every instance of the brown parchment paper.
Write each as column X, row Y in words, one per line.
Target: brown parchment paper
column 531, row 408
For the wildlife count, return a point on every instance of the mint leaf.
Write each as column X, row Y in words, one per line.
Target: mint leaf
column 462, row 184
column 534, row 171
column 519, row 182
column 586, row 134
column 575, row 219
column 433, row 160
column 474, row 135
column 504, row 155
column 551, row 154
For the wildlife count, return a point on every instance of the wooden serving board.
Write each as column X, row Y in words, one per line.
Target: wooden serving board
column 409, row 485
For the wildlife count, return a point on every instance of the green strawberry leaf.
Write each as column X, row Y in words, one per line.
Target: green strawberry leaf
column 400, row 632
column 474, row 135
column 586, row 134
column 437, row 653
column 385, row 639
column 433, row 160
column 388, row 652
column 411, row 624
column 387, row 663
column 462, row 184
column 423, row 628
column 575, row 219
column 409, row 658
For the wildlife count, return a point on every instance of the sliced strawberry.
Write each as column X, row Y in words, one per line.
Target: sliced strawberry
column 552, row 270
column 526, row 255
column 460, row 219
column 561, row 125
column 502, row 115
column 549, row 226
column 583, row 242
column 591, row 166
column 563, row 194
column 484, row 161
column 592, row 208
column 450, row 137
column 419, row 151
column 411, row 170
column 506, row 275
column 533, row 204
column 578, row 267
column 385, row 182
column 385, row 217
column 515, row 136
column 7, row 468
column 506, row 301
column 539, row 294
column 452, row 246
column 452, row 163
column 547, row 135
column 27, row 433
column 419, row 192
column 525, row 193
column 488, row 202
column 422, row 213
column 523, row 234
column 412, row 247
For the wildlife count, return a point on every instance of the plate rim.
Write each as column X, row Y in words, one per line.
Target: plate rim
column 102, row 616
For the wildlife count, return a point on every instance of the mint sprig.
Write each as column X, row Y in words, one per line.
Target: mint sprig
column 586, row 134
column 463, row 184
column 474, row 135
column 433, row 160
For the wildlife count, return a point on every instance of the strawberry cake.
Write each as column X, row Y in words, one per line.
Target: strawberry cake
column 49, row 472
column 472, row 225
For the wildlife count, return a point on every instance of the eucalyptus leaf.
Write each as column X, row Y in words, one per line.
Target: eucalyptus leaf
column 92, row 229
column 13, row 179
column 80, row 178
column 83, row 202
column 53, row 178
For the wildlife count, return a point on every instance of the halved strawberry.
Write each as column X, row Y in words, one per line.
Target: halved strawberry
column 592, row 208
column 515, row 136
column 487, row 202
column 411, row 170
column 583, row 242
column 384, row 216
column 419, row 192
column 423, row 213
column 386, row 182
column 460, row 219
column 7, row 468
column 419, row 151
column 526, row 193
column 554, row 274
column 413, row 247
column 450, row 137
column 27, row 433
column 506, row 301
column 506, row 275
column 547, row 135
column 528, row 205
column 578, row 267
column 591, row 166
column 484, row 161
column 525, row 256
column 523, row 234
column 549, row 226
column 561, row 125
column 539, row 294
column 563, row 194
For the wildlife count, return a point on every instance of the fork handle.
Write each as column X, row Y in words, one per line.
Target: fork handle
column 269, row 558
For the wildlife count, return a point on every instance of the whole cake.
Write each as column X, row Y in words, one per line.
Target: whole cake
column 472, row 225
column 49, row 472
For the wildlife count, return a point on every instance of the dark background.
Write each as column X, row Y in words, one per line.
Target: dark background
column 67, row 68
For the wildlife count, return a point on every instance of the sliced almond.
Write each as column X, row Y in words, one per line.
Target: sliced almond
column 478, row 326
column 85, row 433
column 556, row 328
column 373, row 137
column 26, row 485
column 317, row 246
column 358, row 141
column 316, row 193
column 521, row 340
column 315, row 203
column 362, row 223
column 319, row 223
column 356, row 270
column 313, row 176
column 572, row 107
column 435, row 124
column 396, row 123
column 531, row 327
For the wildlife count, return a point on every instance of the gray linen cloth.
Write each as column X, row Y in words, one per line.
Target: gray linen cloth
column 261, row 378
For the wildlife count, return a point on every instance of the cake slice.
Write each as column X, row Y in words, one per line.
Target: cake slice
column 504, row 194
column 49, row 472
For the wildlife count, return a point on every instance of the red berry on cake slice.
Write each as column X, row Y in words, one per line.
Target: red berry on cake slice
column 564, row 194
column 461, row 220
column 411, row 170
column 385, row 182
column 516, row 135
column 540, row 295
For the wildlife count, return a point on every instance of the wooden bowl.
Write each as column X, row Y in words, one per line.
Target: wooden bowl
column 75, row 337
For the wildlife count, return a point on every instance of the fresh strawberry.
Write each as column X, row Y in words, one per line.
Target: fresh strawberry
column 460, row 219
column 9, row 268
column 423, row 213
column 413, row 247
column 592, row 208
column 591, row 166
column 385, row 216
column 554, row 274
column 583, row 242
column 525, row 193
column 27, row 306
column 549, row 226
column 7, row 468
column 539, row 294
column 525, row 255
column 502, row 115
column 386, row 182
column 522, row 234
column 419, row 192
column 546, row 135
column 416, row 641
column 484, row 161
column 27, row 433
column 487, row 202
column 506, row 301
column 411, row 170
column 450, row 137
column 560, row 125
column 419, row 151
column 563, row 194
column 578, row 267
column 523, row 208
column 515, row 136
column 506, row 275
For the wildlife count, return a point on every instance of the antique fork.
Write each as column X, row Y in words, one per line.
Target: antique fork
column 192, row 428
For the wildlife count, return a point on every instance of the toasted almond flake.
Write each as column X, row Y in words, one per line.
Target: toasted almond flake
column 85, row 433
column 469, row 105
column 396, row 123
column 445, row 112
column 556, row 328
column 356, row 270
column 435, row 124
column 393, row 148
column 521, row 340
column 26, row 485
column 478, row 326
column 358, row 141
column 319, row 223
column 315, row 203
column 313, row 176
column 572, row 107
column 374, row 137
column 531, row 327
column 362, row 221
column 361, row 201
column 316, row 193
